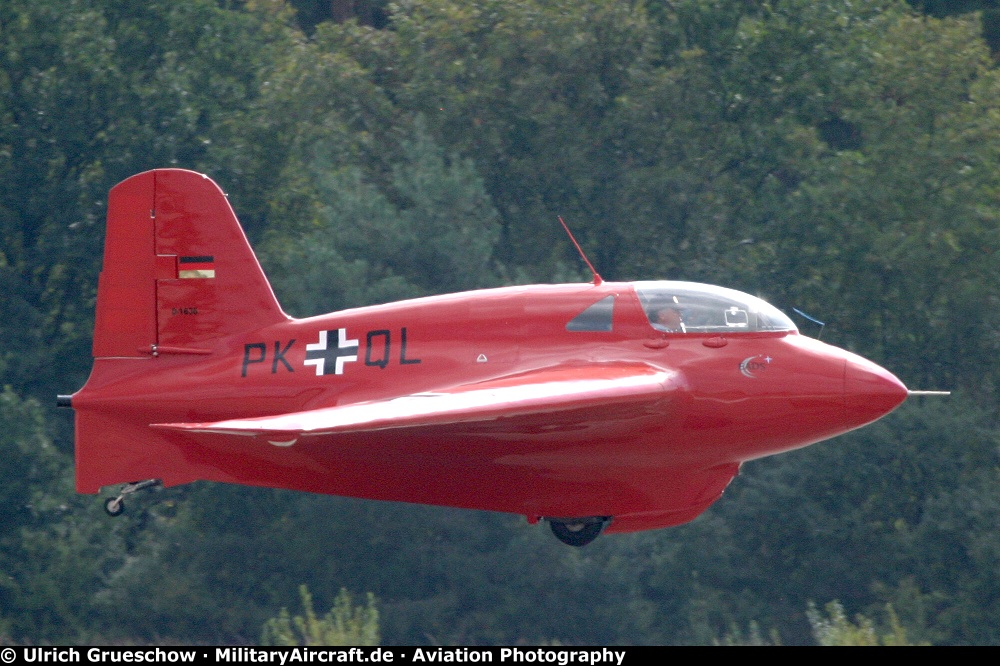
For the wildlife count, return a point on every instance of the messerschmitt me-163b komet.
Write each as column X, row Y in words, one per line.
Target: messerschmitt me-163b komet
column 603, row 406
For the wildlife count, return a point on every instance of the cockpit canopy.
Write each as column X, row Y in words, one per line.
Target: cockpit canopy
column 690, row 307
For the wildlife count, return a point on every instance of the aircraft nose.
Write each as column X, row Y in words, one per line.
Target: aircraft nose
column 870, row 391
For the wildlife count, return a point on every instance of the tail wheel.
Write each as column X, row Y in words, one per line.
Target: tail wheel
column 114, row 506
column 578, row 531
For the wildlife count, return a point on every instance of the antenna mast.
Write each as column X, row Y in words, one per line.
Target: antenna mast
column 597, row 278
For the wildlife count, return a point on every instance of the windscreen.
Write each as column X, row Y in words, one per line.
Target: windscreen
column 689, row 307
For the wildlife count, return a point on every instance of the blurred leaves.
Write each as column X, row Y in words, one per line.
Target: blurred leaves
column 344, row 624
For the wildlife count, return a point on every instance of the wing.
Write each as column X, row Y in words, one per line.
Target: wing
column 550, row 390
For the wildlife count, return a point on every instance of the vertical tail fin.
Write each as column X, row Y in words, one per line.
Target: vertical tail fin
column 178, row 270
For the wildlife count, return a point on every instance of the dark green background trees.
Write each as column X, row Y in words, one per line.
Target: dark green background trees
column 837, row 157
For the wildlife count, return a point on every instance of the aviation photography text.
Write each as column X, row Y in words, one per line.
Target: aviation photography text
column 556, row 656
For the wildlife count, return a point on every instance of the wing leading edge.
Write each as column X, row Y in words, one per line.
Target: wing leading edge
column 549, row 390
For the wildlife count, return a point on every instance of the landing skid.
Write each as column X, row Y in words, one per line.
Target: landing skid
column 578, row 531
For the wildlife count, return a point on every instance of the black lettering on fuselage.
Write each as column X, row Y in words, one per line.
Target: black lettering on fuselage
column 246, row 355
column 382, row 361
column 279, row 355
column 402, row 351
column 378, row 352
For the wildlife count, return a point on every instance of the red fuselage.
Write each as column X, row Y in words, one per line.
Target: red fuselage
column 728, row 396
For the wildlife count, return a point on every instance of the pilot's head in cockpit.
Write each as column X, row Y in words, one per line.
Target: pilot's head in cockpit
column 669, row 319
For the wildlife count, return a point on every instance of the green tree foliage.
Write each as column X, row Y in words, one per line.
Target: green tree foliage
column 833, row 628
column 53, row 553
column 345, row 624
column 432, row 207
column 315, row 102
column 532, row 91
column 29, row 464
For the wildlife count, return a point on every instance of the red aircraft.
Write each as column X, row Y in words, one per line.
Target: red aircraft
column 604, row 406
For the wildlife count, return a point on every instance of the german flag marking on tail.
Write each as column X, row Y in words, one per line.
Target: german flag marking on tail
column 196, row 267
